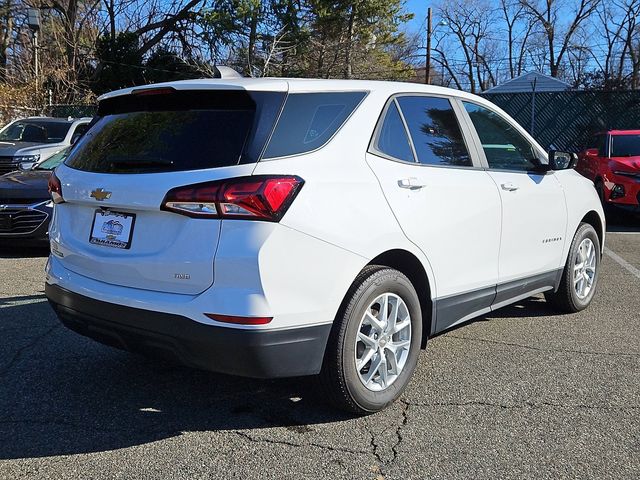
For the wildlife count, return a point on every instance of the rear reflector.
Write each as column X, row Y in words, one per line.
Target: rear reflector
column 261, row 197
column 239, row 320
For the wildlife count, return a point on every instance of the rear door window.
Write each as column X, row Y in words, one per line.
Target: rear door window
column 435, row 131
column 309, row 120
column 177, row 131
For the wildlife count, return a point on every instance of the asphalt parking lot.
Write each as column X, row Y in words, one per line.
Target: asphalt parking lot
column 521, row 393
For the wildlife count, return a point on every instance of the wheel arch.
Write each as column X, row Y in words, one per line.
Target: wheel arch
column 593, row 219
column 410, row 265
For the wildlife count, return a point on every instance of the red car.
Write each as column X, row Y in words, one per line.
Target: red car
column 612, row 161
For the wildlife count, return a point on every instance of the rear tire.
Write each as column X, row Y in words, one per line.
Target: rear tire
column 363, row 337
column 580, row 275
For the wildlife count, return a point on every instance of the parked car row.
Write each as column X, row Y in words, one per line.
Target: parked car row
column 25, row 202
column 30, row 149
column 31, row 140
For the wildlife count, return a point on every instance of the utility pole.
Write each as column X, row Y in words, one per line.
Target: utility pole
column 427, row 70
column 533, row 105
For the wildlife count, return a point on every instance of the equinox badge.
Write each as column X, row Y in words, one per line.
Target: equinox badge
column 100, row 194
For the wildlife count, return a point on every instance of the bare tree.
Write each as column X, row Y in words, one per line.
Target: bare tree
column 472, row 25
column 630, row 33
column 546, row 14
column 518, row 27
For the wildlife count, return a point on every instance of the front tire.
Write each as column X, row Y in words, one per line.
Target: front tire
column 580, row 275
column 374, row 344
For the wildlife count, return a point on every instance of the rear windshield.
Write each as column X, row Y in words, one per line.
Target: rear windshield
column 309, row 120
column 625, row 145
column 177, row 131
column 34, row 131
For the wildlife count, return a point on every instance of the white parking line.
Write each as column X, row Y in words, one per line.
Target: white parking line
column 623, row 263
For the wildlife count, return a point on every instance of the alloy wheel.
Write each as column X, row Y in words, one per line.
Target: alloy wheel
column 584, row 268
column 383, row 342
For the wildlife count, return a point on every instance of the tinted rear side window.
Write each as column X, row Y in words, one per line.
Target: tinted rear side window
column 392, row 139
column 309, row 120
column 435, row 131
column 183, row 131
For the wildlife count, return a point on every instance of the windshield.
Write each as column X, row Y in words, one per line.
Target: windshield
column 625, row 145
column 53, row 161
column 35, row 131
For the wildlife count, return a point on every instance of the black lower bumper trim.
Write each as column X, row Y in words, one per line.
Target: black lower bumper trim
column 250, row 353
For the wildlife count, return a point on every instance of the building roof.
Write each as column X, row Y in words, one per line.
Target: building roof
column 524, row 83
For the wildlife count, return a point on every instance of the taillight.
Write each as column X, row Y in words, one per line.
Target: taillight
column 55, row 188
column 264, row 197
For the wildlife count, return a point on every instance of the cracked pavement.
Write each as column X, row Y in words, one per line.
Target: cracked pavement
column 520, row 393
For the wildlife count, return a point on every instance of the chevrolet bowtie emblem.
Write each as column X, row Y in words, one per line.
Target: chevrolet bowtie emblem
column 100, row 195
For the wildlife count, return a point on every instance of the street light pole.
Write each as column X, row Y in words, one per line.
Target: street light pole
column 36, row 60
column 33, row 22
column 427, row 71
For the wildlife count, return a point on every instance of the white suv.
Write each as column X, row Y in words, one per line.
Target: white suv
column 274, row 227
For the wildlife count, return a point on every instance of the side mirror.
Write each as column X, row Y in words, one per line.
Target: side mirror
column 75, row 138
column 591, row 152
column 24, row 166
column 562, row 160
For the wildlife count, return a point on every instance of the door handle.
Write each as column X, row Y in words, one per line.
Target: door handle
column 509, row 187
column 410, row 183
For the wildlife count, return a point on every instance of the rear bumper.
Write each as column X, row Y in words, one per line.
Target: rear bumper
column 251, row 353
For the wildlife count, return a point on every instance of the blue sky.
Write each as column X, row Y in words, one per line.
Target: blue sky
column 419, row 10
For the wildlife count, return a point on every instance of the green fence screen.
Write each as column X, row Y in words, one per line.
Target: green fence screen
column 567, row 119
column 75, row 111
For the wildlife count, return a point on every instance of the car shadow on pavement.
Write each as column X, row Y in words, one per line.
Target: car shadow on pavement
column 622, row 222
column 23, row 251
column 530, row 307
column 64, row 394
